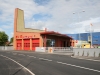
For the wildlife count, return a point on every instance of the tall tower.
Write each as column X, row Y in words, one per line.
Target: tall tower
column 19, row 20
column 19, row 26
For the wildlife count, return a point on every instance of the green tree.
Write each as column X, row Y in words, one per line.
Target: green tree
column 11, row 40
column 3, row 38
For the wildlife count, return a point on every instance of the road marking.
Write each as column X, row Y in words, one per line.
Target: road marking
column 34, row 57
column 96, row 60
column 19, row 64
column 45, row 59
column 80, row 58
column 61, row 62
column 86, row 59
column 41, row 58
column 14, row 53
column 31, row 56
column 78, row 66
column 21, row 54
column 92, row 60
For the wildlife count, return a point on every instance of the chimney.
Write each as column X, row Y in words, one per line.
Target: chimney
column 45, row 29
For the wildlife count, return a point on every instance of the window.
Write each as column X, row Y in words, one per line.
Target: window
column 96, row 36
column 95, row 40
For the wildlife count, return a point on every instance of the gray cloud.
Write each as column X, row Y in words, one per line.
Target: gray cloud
column 62, row 18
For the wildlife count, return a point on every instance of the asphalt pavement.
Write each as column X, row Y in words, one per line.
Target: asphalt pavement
column 31, row 63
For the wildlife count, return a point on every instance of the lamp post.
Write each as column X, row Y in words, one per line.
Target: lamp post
column 79, row 28
column 91, row 33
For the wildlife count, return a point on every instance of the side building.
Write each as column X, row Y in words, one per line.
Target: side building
column 29, row 39
column 85, row 38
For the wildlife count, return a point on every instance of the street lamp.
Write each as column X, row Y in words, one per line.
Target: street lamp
column 90, row 34
column 79, row 29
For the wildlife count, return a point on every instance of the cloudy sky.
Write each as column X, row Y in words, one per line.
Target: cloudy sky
column 64, row 16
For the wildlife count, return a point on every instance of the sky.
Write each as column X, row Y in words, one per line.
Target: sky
column 64, row 16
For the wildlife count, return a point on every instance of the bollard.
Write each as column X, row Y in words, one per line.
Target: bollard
column 83, row 53
column 99, row 54
column 50, row 50
column 87, row 53
column 94, row 54
column 78, row 53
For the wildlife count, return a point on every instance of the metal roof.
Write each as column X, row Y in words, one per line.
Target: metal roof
column 54, row 33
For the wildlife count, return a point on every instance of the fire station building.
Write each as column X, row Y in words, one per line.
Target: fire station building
column 28, row 39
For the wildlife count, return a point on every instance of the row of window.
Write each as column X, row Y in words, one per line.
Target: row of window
column 95, row 40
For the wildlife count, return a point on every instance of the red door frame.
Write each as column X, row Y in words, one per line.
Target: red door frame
column 26, row 44
column 35, row 43
column 19, row 44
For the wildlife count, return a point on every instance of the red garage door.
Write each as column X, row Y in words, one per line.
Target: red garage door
column 18, row 44
column 35, row 43
column 26, row 44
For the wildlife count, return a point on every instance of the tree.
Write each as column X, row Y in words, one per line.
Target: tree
column 11, row 40
column 3, row 38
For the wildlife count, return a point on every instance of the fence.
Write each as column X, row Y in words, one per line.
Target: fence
column 6, row 48
column 40, row 49
column 62, row 49
column 92, row 52
column 54, row 49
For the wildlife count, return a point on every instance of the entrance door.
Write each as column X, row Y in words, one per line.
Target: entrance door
column 35, row 43
column 64, row 42
column 26, row 44
column 19, row 44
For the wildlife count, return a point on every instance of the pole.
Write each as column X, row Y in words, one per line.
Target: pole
column 79, row 29
column 91, row 34
column 79, row 32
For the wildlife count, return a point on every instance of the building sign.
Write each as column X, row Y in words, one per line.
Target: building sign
column 24, row 37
